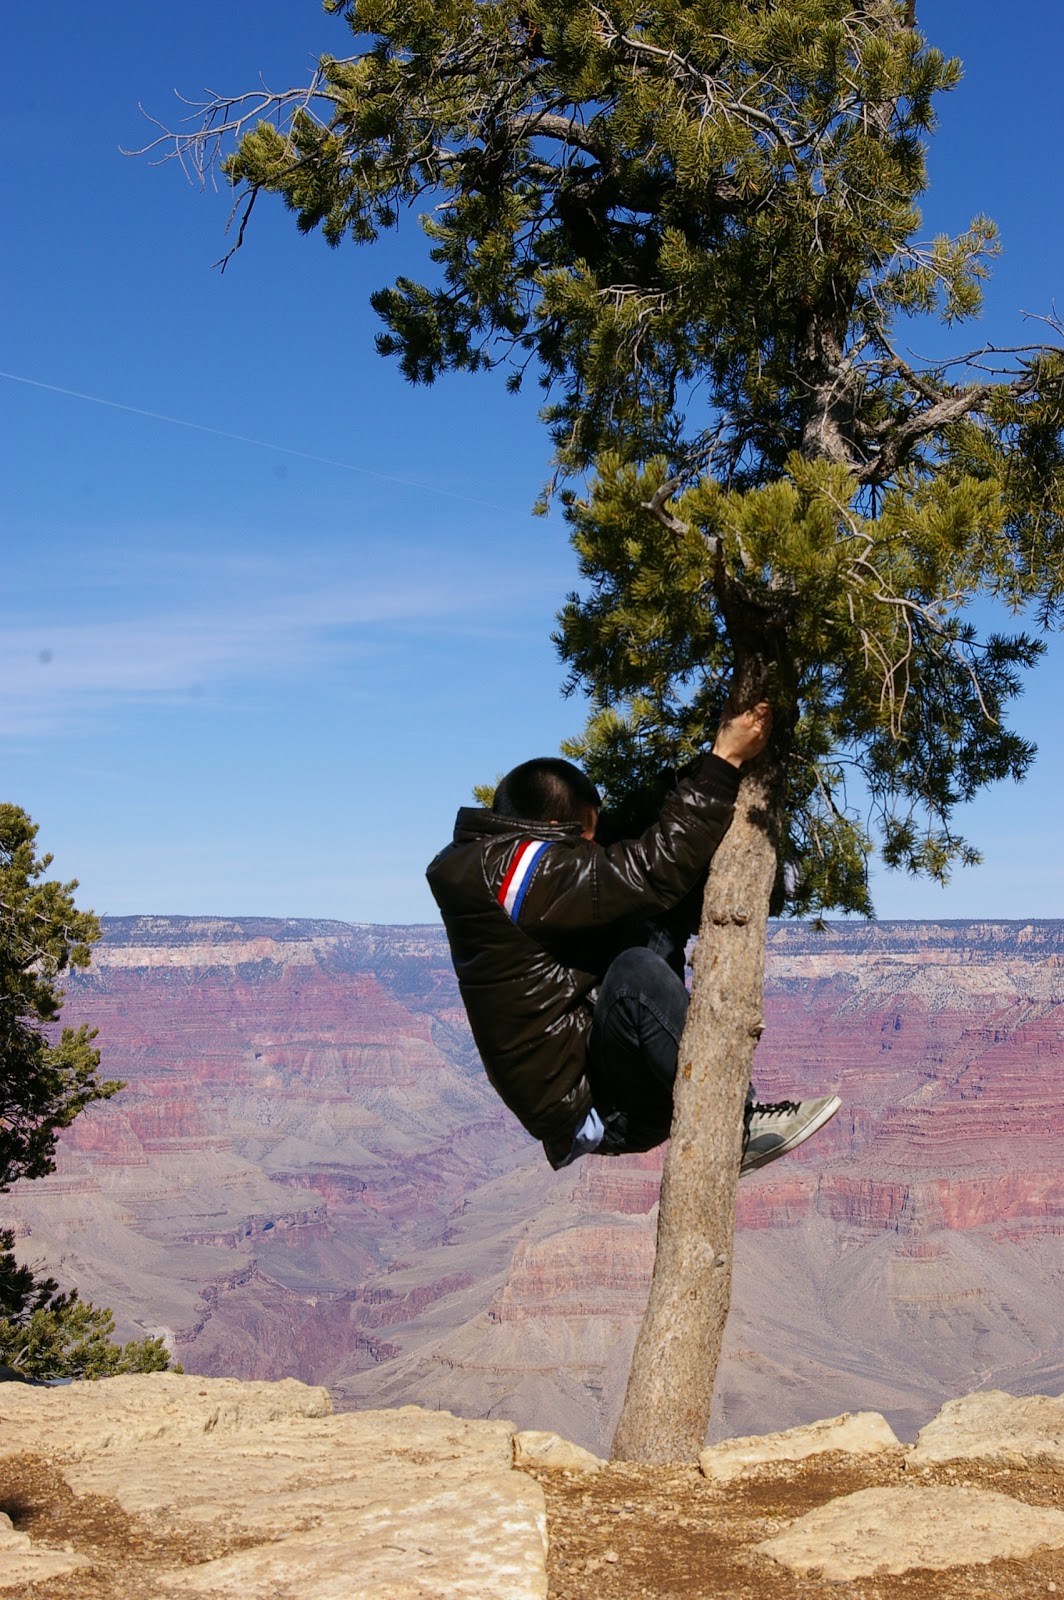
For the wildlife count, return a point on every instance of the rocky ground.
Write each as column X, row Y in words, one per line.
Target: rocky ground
column 125, row 1555
column 627, row 1533
column 665, row 1533
column 151, row 1488
column 162, row 1486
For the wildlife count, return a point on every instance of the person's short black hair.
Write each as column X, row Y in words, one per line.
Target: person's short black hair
column 546, row 790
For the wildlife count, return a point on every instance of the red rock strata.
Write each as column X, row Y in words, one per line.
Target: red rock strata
column 308, row 1173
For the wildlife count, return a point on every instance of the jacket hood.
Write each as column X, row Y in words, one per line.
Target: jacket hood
column 475, row 822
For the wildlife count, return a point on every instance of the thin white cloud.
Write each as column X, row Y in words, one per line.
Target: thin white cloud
column 59, row 673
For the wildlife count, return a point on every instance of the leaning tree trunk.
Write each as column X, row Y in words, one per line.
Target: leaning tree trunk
column 670, row 1387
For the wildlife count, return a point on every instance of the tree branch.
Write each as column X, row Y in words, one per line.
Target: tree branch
column 898, row 441
column 656, row 506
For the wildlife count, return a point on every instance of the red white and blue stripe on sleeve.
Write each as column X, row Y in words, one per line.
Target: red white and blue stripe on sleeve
column 519, row 875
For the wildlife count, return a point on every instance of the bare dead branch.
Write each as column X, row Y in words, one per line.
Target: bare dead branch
column 225, row 118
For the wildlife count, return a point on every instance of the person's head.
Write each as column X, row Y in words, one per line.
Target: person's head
column 549, row 790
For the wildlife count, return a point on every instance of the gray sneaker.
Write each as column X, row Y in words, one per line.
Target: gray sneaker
column 773, row 1130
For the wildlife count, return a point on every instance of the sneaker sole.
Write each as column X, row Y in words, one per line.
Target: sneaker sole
column 825, row 1114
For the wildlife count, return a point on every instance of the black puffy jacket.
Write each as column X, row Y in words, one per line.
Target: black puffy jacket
column 534, row 914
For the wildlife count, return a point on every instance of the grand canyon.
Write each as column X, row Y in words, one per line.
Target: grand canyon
column 307, row 1175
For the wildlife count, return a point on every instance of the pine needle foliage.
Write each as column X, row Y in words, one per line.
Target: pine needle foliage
column 859, row 622
column 45, row 1335
column 45, row 1083
column 699, row 227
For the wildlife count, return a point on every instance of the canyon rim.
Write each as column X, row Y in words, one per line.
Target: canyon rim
column 308, row 1175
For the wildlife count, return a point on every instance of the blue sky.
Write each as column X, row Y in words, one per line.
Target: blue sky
column 254, row 656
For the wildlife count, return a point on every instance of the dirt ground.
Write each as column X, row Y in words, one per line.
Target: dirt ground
column 127, row 1552
column 632, row 1532
column 667, row 1533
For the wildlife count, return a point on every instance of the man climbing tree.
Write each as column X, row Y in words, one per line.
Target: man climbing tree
column 699, row 226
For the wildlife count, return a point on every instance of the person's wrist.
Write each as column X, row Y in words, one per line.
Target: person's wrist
column 722, row 778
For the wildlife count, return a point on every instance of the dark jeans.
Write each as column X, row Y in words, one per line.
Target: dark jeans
column 632, row 1051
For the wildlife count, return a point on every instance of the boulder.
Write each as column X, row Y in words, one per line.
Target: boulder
column 158, row 1407
column 857, row 1433
column 393, row 1504
column 1004, row 1428
column 879, row 1532
column 535, row 1448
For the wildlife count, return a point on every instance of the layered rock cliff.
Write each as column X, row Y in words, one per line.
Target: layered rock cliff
column 308, row 1175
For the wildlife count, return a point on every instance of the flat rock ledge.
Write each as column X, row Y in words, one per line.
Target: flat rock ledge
column 854, row 1432
column 535, row 1448
column 393, row 1505
column 257, row 1491
column 883, row 1532
column 992, row 1426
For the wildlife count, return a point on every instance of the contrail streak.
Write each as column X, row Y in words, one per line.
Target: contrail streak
column 260, row 444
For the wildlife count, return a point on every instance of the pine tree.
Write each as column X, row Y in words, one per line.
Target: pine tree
column 44, row 1084
column 699, row 226
column 46, row 1335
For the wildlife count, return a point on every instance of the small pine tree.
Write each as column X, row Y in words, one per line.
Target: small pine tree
column 46, row 1335
column 44, row 1084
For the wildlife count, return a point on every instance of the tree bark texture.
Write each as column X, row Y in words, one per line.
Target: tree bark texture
column 670, row 1387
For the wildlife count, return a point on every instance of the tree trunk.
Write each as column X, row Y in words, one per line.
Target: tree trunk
column 670, row 1387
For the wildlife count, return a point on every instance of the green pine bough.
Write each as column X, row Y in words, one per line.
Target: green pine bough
column 698, row 228
column 45, row 1082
